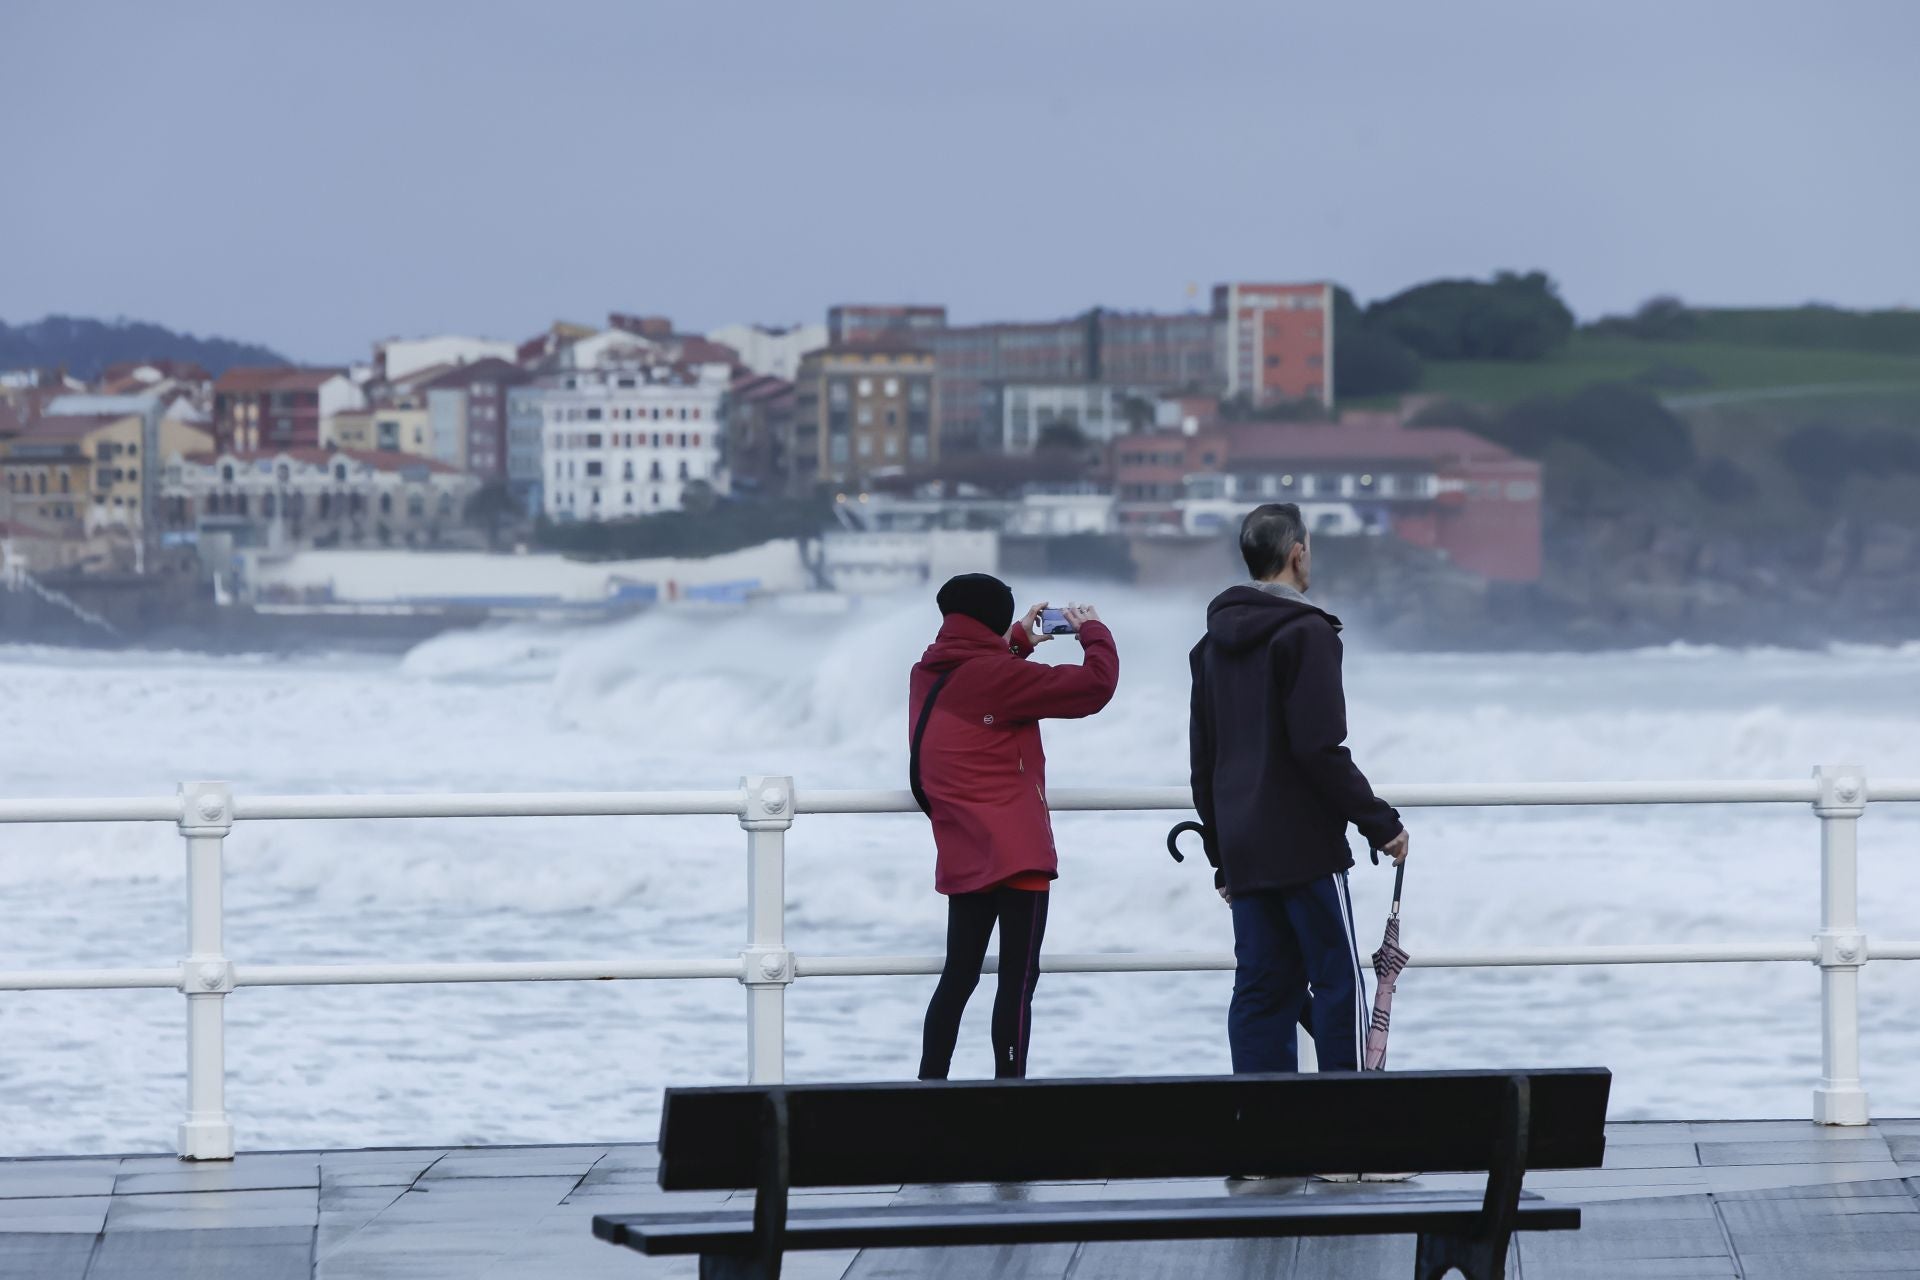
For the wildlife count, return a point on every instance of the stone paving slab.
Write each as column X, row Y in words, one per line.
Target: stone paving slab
column 1699, row 1199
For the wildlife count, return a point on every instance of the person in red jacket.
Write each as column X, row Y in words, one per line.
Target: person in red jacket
column 975, row 706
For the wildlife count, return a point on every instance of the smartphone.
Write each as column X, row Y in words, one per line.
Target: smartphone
column 1053, row 622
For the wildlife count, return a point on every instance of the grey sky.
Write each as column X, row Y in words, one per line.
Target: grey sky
column 319, row 175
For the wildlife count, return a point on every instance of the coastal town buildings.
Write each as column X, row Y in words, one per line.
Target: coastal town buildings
column 621, row 442
column 313, row 497
column 860, row 410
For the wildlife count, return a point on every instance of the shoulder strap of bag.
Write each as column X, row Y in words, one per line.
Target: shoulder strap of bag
column 920, row 732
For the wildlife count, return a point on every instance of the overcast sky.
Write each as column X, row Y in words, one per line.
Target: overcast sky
column 319, row 175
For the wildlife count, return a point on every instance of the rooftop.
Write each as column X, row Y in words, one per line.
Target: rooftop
column 1713, row 1199
column 490, row 369
column 378, row 459
column 253, row 380
column 67, row 427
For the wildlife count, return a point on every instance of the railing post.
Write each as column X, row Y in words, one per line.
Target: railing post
column 206, row 816
column 766, row 966
column 1840, row 1098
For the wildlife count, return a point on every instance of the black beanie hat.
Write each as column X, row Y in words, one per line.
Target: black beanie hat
column 980, row 596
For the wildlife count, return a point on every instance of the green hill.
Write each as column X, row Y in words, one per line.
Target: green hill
column 1702, row 370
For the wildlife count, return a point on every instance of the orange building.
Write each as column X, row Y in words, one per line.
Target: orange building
column 1276, row 341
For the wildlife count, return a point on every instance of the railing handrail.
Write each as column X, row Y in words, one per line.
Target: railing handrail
column 766, row 807
column 716, row 803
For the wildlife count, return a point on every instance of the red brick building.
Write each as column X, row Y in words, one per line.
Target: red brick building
column 256, row 408
column 1276, row 341
column 1440, row 488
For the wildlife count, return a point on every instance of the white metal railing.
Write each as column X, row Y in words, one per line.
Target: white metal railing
column 766, row 806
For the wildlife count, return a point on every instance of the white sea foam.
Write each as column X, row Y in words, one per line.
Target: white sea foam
column 696, row 700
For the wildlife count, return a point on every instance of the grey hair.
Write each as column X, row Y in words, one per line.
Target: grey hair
column 1268, row 536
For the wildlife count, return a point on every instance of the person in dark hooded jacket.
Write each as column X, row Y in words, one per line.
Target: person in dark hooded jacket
column 1276, row 788
column 974, row 711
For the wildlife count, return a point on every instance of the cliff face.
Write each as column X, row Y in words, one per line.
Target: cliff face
column 1628, row 580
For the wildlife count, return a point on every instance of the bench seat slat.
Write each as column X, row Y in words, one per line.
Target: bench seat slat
column 910, row 1225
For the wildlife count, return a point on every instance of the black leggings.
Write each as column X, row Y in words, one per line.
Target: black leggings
column 1022, row 916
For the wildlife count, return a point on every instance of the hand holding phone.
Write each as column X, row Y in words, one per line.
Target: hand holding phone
column 1054, row 622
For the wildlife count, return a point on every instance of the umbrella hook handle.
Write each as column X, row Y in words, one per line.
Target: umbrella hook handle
column 1399, row 877
column 1173, row 838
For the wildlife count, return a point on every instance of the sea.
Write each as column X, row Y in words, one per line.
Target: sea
column 689, row 699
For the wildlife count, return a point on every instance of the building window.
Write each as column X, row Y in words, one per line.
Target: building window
column 626, row 473
column 866, row 386
column 593, row 415
column 683, row 469
column 655, row 474
column 593, row 470
column 416, row 506
column 864, row 416
column 386, row 504
column 593, row 438
column 866, row 446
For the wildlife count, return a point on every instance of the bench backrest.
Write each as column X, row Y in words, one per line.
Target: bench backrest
column 1162, row 1127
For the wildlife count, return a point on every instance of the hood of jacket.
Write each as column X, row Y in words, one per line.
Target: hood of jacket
column 962, row 638
column 1245, row 617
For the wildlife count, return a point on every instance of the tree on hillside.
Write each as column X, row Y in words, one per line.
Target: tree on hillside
column 1659, row 319
column 1512, row 317
column 86, row 347
column 1366, row 361
column 1621, row 424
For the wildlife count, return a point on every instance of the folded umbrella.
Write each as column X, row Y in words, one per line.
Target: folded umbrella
column 1388, row 961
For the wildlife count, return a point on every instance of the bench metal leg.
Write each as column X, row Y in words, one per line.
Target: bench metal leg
column 736, row 1266
column 1483, row 1254
column 1473, row 1257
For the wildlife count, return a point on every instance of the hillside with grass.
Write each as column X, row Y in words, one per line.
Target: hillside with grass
column 1686, row 370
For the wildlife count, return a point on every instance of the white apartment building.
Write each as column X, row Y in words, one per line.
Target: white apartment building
column 772, row 352
column 618, row 443
column 1019, row 412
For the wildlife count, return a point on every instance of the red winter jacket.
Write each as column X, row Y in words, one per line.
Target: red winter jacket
column 981, row 763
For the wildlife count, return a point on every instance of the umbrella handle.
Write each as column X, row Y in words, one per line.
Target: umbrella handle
column 1399, row 877
column 1173, row 838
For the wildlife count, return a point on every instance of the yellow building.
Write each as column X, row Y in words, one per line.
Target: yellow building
column 349, row 429
column 84, row 471
column 49, row 469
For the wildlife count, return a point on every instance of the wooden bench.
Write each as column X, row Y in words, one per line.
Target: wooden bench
column 772, row 1138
